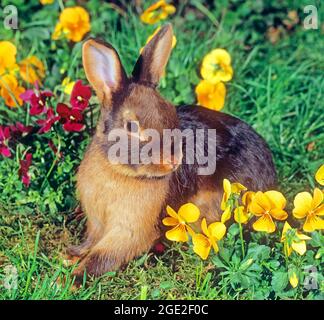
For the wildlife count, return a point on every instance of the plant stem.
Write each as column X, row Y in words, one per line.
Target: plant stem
column 240, row 226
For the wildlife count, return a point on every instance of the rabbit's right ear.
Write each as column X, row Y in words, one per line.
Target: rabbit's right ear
column 103, row 69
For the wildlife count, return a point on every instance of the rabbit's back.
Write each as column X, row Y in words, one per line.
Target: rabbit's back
column 241, row 156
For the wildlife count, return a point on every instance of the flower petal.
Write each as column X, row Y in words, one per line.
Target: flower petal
column 201, row 246
column 240, row 215
column 172, row 213
column 226, row 215
column 299, row 247
column 189, row 212
column 317, row 198
column 217, row 230
column 319, row 176
column 170, row 221
column 313, row 223
column 302, row 204
column 276, row 198
column 286, row 227
column 279, row 214
column 178, row 233
column 264, row 223
column 204, row 227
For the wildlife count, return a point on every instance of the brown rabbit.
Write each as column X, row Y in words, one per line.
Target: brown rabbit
column 124, row 202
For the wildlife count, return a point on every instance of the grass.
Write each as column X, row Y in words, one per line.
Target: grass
column 277, row 88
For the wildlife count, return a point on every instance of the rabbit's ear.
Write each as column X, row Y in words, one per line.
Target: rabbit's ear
column 103, row 69
column 154, row 57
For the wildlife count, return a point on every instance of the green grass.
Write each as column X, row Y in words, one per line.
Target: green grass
column 277, row 88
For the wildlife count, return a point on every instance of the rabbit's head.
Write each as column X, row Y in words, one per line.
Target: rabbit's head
column 132, row 105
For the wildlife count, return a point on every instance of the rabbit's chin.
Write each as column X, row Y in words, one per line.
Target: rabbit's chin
column 149, row 171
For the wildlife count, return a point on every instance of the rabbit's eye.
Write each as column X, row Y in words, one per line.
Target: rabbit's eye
column 132, row 126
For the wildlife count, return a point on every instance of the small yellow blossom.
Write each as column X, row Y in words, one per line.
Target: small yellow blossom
column 229, row 189
column 74, row 23
column 242, row 213
column 10, row 90
column 293, row 240
column 319, row 176
column 211, row 96
column 44, row 2
column 67, row 85
column 293, row 279
column 8, row 53
column 268, row 205
column 188, row 213
column 157, row 12
column 32, row 70
column 310, row 207
column 216, row 66
column 202, row 243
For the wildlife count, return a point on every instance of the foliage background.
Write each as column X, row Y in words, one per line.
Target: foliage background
column 277, row 88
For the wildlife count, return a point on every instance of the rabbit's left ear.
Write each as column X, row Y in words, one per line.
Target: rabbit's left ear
column 151, row 63
column 103, row 69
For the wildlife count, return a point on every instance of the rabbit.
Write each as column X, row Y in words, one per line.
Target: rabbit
column 124, row 203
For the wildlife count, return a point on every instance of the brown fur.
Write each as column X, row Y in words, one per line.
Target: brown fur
column 124, row 202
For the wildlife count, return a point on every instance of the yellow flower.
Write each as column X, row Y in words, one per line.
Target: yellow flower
column 32, row 70
column 216, row 66
column 293, row 279
column 211, row 96
column 242, row 213
column 319, row 176
column 67, row 85
column 156, row 12
column 229, row 189
column 74, row 24
column 188, row 213
column 202, row 243
column 293, row 240
column 268, row 205
column 8, row 53
column 310, row 207
column 174, row 39
column 44, row 2
column 10, row 90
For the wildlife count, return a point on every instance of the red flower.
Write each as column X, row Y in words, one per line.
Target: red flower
column 46, row 124
column 37, row 100
column 23, row 170
column 71, row 118
column 21, row 129
column 4, row 137
column 80, row 96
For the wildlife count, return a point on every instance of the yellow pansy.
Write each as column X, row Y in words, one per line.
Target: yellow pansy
column 32, row 70
column 174, row 39
column 310, row 207
column 8, row 53
column 202, row 243
column 319, row 176
column 242, row 213
column 67, row 85
column 293, row 279
column 10, row 90
column 211, row 96
column 74, row 23
column 44, row 2
column 268, row 205
column 216, row 66
column 157, row 11
column 293, row 240
column 188, row 213
column 229, row 189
